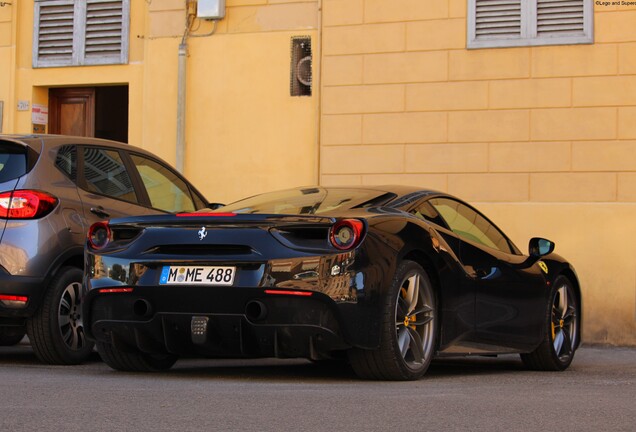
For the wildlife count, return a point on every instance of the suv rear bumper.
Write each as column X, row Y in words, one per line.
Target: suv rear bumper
column 27, row 286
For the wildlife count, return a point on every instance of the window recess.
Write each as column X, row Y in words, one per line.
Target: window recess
column 80, row 32
column 506, row 23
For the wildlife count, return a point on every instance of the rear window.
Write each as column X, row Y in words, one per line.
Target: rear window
column 306, row 201
column 13, row 161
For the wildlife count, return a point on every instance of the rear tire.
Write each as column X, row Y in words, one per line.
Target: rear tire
column 10, row 335
column 56, row 331
column 561, row 332
column 134, row 361
column 409, row 329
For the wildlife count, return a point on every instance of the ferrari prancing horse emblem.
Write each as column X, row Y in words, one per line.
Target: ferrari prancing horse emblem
column 202, row 233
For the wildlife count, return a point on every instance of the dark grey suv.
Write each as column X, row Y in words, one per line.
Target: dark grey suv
column 52, row 188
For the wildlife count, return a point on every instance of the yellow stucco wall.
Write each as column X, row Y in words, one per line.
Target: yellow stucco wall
column 7, row 53
column 240, row 117
column 542, row 139
column 245, row 134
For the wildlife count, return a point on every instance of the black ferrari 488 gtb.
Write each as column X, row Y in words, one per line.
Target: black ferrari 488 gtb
column 389, row 276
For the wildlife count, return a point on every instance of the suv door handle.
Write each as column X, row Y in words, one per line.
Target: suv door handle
column 99, row 211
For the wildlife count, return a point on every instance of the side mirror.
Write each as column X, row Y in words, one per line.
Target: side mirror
column 214, row 206
column 540, row 247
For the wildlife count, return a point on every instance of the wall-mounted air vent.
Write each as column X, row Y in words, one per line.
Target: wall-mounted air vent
column 300, row 73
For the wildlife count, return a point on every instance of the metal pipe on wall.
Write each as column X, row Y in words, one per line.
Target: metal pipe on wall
column 316, row 89
column 190, row 16
column 181, row 104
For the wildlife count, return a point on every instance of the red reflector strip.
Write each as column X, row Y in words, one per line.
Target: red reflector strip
column 285, row 292
column 114, row 290
column 15, row 298
column 205, row 214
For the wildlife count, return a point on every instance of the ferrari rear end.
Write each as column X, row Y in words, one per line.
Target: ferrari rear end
column 230, row 285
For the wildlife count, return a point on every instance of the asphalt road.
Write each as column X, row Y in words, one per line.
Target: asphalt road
column 597, row 393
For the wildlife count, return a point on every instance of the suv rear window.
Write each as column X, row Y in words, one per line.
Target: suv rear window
column 13, row 161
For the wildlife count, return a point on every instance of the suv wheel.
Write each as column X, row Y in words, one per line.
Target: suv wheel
column 56, row 330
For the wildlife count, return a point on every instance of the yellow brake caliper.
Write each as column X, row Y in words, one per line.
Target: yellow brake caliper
column 561, row 324
column 408, row 321
column 553, row 331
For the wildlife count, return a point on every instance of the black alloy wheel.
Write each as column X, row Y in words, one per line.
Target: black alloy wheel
column 11, row 335
column 561, row 333
column 134, row 361
column 409, row 329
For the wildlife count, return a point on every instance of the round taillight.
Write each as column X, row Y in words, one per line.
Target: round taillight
column 346, row 233
column 99, row 235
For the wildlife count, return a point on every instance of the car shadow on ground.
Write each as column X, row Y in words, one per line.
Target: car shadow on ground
column 293, row 370
column 22, row 354
column 277, row 369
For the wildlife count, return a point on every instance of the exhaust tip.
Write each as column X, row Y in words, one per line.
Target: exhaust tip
column 142, row 308
column 255, row 310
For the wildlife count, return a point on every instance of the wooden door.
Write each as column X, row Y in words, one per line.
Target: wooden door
column 72, row 111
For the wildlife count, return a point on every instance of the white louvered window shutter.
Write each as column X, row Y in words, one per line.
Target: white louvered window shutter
column 104, row 30
column 498, row 18
column 505, row 23
column 560, row 17
column 53, row 41
column 80, row 32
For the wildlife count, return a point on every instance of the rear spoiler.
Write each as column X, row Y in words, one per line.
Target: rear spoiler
column 211, row 218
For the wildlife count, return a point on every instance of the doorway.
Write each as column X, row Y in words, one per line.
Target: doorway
column 100, row 112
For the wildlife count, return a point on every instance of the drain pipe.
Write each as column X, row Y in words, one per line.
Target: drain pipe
column 181, row 90
column 181, row 83
column 181, row 101
column 317, row 91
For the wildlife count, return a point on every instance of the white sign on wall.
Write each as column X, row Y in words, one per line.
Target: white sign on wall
column 40, row 114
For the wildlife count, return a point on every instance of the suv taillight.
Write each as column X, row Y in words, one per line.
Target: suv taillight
column 26, row 204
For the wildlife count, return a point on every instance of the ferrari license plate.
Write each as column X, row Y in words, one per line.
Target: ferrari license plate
column 193, row 275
